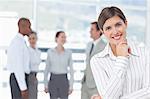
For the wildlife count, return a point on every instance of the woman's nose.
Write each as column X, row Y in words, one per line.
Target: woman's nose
column 115, row 30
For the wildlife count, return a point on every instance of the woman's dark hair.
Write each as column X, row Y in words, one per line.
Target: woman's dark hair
column 109, row 12
column 33, row 32
column 58, row 33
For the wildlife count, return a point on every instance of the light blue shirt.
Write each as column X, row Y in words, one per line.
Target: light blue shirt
column 34, row 59
column 58, row 63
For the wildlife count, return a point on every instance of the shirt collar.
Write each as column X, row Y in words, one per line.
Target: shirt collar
column 20, row 35
column 54, row 50
column 33, row 48
column 96, row 41
column 107, row 50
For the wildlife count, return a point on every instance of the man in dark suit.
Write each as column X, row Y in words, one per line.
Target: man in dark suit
column 88, row 84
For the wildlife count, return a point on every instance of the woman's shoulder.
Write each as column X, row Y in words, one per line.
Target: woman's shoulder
column 50, row 50
column 38, row 51
column 31, row 49
column 138, row 48
column 145, row 50
column 68, row 51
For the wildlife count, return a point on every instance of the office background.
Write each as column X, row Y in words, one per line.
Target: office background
column 73, row 17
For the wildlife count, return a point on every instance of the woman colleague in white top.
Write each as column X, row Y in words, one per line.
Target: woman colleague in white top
column 58, row 61
column 34, row 64
column 122, row 69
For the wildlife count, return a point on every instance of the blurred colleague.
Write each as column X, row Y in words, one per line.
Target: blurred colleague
column 34, row 64
column 88, row 84
column 122, row 69
column 18, row 61
column 57, row 63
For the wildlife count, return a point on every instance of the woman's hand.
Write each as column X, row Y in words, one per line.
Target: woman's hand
column 46, row 90
column 25, row 94
column 122, row 49
column 70, row 91
column 96, row 97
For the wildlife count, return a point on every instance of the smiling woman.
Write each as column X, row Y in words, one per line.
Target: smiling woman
column 72, row 16
column 115, row 29
column 118, row 72
column 58, row 61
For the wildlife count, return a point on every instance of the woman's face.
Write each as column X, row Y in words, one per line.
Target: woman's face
column 115, row 30
column 61, row 39
column 32, row 40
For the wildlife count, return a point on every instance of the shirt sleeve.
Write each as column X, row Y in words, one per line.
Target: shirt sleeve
column 71, row 71
column 18, row 54
column 144, row 92
column 109, row 87
column 47, row 70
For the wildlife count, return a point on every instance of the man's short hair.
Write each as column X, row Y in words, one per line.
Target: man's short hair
column 96, row 24
column 23, row 19
column 97, row 27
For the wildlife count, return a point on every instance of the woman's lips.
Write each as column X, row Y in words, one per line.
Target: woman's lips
column 117, row 37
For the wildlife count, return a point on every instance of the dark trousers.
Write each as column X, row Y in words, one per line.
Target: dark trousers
column 58, row 86
column 32, row 85
column 15, row 90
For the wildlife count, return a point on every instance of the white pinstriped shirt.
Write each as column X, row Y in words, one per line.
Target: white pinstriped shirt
column 122, row 77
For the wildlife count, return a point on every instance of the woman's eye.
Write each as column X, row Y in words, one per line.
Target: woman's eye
column 118, row 24
column 108, row 28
